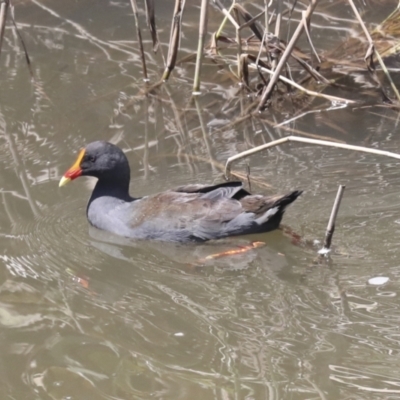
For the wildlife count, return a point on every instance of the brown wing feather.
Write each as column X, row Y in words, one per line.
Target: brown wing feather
column 183, row 209
column 208, row 214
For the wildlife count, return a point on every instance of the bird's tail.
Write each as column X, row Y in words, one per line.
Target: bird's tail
column 273, row 216
column 287, row 199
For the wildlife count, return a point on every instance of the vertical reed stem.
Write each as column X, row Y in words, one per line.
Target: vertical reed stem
column 200, row 46
column 331, row 224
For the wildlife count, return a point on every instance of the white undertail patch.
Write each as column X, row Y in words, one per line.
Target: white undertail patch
column 267, row 215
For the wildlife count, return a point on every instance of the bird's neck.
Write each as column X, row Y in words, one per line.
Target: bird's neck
column 113, row 187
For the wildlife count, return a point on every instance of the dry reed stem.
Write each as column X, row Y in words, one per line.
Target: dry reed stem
column 139, row 38
column 282, row 62
column 278, row 18
column 277, row 142
column 239, row 45
column 151, row 22
column 3, row 17
column 200, row 45
column 145, row 159
column 174, row 39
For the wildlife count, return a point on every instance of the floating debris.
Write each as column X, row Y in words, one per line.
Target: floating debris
column 240, row 250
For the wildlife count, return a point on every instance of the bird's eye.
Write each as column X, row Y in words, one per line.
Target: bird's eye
column 91, row 159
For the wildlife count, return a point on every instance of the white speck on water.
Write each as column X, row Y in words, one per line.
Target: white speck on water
column 378, row 280
column 179, row 334
column 324, row 251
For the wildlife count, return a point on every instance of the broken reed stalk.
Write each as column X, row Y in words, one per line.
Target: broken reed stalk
column 3, row 17
column 373, row 49
column 139, row 37
column 200, row 46
column 299, row 30
column 330, row 229
column 174, row 38
column 277, row 142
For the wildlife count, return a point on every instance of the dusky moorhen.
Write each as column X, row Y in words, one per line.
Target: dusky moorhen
column 188, row 213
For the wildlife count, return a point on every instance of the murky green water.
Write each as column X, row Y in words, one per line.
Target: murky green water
column 84, row 315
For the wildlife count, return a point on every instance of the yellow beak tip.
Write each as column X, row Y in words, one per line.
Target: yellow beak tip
column 64, row 181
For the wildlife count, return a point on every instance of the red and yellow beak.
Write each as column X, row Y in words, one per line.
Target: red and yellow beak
column 74, row 171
